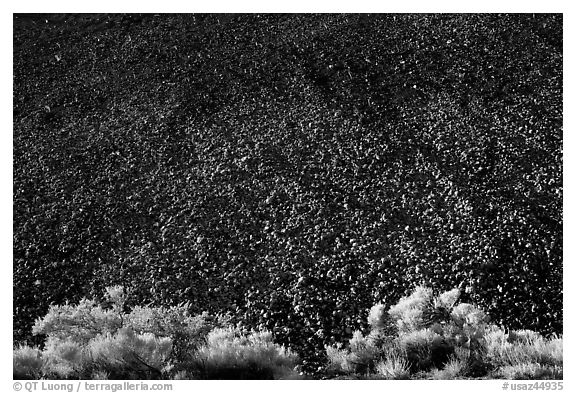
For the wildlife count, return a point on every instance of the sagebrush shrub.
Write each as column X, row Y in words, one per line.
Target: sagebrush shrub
column 64, row 358
column 27, row 363
column 377, row 318
column 444, row 339
column 409, row 311
column 109, row 341
column 80, row 322
column 447, row 299
column 425, row 349
column 89, row 319
column 453, row 369
column 231, row 354
column 468, row 314
column 129, row 355
column 123, row 354
column 393, row 367
column 381, row 323
column 187, row 331
column 523, row 347
column 530, row 371
column 360, row 355
column 362, row 352
column 338, row 359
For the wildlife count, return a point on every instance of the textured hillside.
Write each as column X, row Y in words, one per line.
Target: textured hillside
column 290, row 169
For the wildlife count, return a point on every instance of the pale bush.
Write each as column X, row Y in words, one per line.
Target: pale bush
column 188, row 332
column 425, row 349
column 442, row 339
column 495, row 337
column 338, row 359
column 468, row 314
column 362, row 353
column 120, row 355
column 27, row 363
column 393, row 367
column 126, row 354
column 80, row 322
column 409, row 310
column 167, row 321
column 64, row 358
column 550, row 351
column 537, row 348
column 530, row 371
column 231, row 354
column 91, row 341
column 453, row 369
column 524, row 336
column 116, row 296
column 523, row 347
column 88, row 320
column 377, row 318
column 447, row 299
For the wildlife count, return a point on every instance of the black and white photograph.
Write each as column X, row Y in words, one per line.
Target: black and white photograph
column 287, row 196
